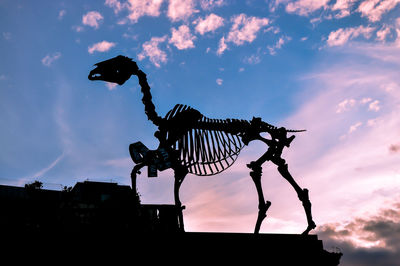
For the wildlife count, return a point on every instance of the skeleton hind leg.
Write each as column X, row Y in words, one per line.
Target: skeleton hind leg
column 301, row 193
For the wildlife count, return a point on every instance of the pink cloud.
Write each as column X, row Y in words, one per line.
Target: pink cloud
column 116, row 5
column 345, row 105
column 92, row 19
column 182, row 38
column 244, row 29
column 383, row 33
column 305, row 7
column 343, row 6
column 354, row 127
column 102, row 46
column 208, row 24
column 222, row 46
column 278, row 45
column 61, row 14
column 180, row 9
column 49, row 59
column 210, row 4
column 374, row 106
column 139, row 8
column 153, row 52
column 343, row 35
column 374, row 9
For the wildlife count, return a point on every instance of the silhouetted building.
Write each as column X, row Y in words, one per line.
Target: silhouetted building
column 88, row 206
column 95, row 217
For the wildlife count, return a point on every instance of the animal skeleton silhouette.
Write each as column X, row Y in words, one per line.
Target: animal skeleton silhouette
column 193, row 143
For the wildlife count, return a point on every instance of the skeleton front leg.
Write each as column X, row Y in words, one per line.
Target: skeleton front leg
column 134, row 173
column 301, row 193
column 180, row 174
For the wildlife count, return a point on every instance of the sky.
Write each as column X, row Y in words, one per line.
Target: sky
column 329, row 66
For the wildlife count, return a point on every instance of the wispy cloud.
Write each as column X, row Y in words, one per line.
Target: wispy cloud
column 102, row 46
column 116, row 5
column 211, row 4
column 92, row 19
column 306, row 7
column 252, row 59
column 48, row 168
column 383, row 33
column 343, row 35
column 222, row 46
column 343, row 7
column 49, row 59
column 219, row 81
column 153, row 52
column 278, row 45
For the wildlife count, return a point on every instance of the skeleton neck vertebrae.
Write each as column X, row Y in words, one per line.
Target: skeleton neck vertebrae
column 193, row 143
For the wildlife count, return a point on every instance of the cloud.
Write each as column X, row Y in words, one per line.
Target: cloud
column 116, row 5
column 368, row 240
column 211, row 4
column 78, row 28
column 222, row 46
column 111, row 86
column 383, row 33
column 354, row 127
column 136, row 9
column 244, row 29
column 374, row 106
column 49, row 59
column 278, row 44
column 219, row 81
column 102, row 46
column 306, row 7
column 61, row 14
column 92, row 19
column 139, row 8
column 343, row 35
column 7, row 36
column 252, row 60
column 345, row 105
column 182, row 38
column 374, row 9
column 180, row 9
column 344, row 7
column 208, row 24
column 153, row 52
column 48, row 168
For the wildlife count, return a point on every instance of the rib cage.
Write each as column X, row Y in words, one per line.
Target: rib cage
column 203, row 148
